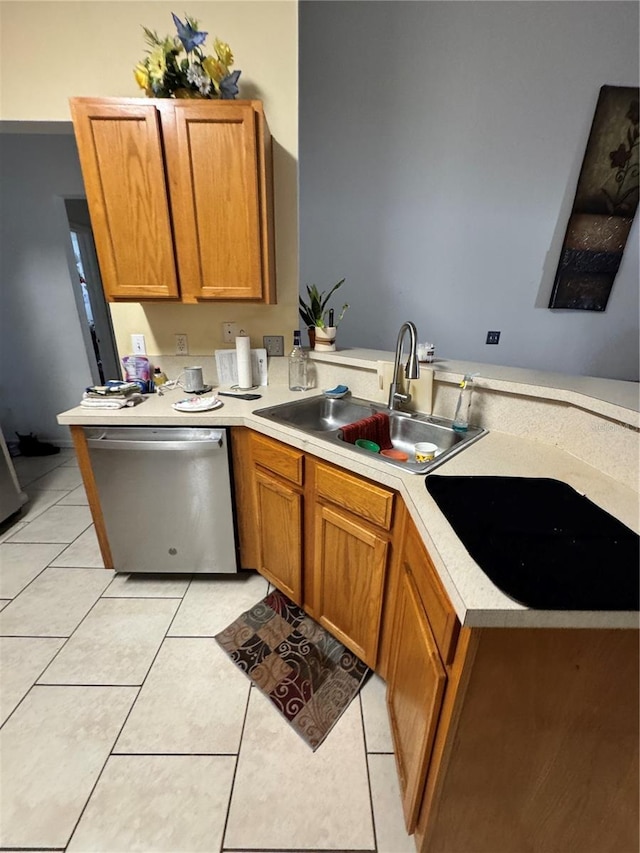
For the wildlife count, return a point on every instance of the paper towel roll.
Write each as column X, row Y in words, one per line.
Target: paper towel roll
column 243, row 355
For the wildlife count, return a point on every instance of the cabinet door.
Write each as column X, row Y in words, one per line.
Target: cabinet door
column 120, row 152
column 244, row 488
column 350, row 562
column 414, row 695
column 280, row 524
column 215, row 167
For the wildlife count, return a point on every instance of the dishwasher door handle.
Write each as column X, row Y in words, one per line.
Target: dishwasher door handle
column 133, row 444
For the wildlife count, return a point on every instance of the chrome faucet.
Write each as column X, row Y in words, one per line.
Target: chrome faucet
column 412, row 368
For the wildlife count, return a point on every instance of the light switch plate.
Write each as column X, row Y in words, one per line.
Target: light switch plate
column 138, row 344
column 274, row 344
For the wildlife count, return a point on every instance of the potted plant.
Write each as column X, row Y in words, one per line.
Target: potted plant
column 318, row 319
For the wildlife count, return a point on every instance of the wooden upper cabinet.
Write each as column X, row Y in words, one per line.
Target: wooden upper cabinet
column 122, row 164
column 213, row 163
column 180, row 195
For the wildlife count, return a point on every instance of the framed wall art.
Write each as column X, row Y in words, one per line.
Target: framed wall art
column 604, row 206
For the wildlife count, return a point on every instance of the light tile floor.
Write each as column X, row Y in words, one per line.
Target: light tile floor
column 125, row 727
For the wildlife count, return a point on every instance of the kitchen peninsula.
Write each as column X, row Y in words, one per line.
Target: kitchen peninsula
column 526, row 735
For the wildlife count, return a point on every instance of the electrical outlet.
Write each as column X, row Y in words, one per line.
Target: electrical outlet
column 274, row 344
column 138, row 345
column 230, row 332
column 493, row 338
column 182, row 345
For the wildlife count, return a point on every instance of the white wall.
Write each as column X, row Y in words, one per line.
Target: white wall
column 43, row 362
column 440, row 146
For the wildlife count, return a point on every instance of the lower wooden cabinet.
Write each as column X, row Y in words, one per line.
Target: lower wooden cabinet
column 424, row 635
column 280, row 534
column 350, row 548
column 269, row 484
column 416, row 686
column 349, row 570
column 321, row 535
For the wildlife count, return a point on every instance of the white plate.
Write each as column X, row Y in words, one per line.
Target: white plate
column 197, row 404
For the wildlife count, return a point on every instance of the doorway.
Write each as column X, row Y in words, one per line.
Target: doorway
column 95, row 318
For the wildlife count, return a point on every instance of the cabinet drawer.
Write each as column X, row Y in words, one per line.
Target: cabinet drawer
column 358, row 496
column 442, row 617
column 277, row 457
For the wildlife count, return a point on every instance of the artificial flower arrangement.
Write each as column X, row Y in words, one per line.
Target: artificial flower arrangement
column 165, row 74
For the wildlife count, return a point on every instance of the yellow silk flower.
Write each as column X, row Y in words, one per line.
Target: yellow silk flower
column 142, row 76
column 215, row 69
column 224, row 52
column 157, row 63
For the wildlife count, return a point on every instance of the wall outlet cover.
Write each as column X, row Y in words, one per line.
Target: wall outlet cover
column 230, row 332
column 182, row 344
column 274, row 344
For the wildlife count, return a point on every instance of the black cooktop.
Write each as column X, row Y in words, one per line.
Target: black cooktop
column 541, row 542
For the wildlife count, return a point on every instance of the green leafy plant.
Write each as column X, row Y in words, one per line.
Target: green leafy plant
column 314, row 311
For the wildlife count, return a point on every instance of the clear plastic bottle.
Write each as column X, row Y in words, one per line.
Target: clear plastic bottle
column 461, row 416
column 298, row 365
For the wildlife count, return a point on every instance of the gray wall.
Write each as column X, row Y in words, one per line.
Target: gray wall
column 43, row 362
column 440, row 146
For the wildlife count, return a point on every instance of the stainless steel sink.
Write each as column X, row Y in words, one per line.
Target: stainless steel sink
column 324, row 417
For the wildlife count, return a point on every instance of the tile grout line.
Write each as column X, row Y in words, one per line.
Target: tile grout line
column 47, row 566
column 173, row 754
column 111, row 753
column 66, row 544
column 40, row 674
column 366, row 764
column 99, row 776
column 136, row 597
column 235, row 770
column 90, row 610
column 39, row 637
column 155, row 657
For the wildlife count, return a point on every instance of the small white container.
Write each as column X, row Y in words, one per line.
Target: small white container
column 425, row 451
column 426, row 352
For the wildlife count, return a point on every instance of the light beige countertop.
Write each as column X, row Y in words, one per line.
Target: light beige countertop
column 615, row 398
column 478, row 602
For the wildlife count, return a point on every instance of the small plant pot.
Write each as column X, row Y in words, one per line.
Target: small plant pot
column 325, row 340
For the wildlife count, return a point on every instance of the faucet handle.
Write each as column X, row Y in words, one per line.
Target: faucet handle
column 401, row 398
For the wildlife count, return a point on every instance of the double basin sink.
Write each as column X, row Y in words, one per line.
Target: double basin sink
column 325, row 417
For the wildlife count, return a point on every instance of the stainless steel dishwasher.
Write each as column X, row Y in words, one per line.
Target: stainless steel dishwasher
column 165, row 494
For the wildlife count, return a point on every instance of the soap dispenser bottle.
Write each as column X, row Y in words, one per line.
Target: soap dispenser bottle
column 461, row 416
